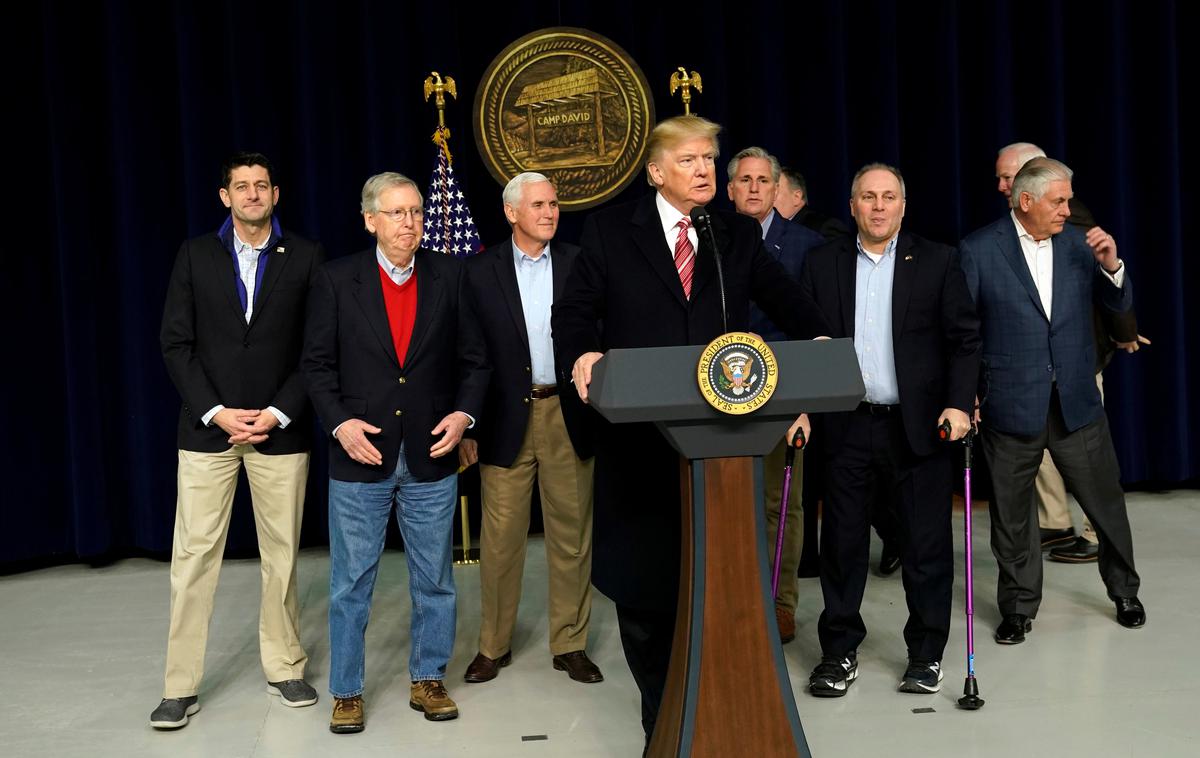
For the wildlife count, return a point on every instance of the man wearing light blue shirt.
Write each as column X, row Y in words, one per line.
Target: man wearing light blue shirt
column 523, row 436
column 905, row 303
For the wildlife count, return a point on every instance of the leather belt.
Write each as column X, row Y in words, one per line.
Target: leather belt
column 876, row 409
column 541, row 393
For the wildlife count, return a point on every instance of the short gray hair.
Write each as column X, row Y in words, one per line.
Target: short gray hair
column 515, row 188
column 1035, row 176
column 1025, row 151
column 878, row 167
column 376, row 185
column 754, row 152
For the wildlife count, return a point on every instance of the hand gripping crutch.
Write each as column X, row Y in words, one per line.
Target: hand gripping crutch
column 798, row 441
column 970, row 700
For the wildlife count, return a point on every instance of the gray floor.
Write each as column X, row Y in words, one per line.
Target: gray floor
column 81, row 657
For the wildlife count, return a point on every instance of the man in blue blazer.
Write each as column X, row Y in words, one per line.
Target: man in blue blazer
column 1034, row 281
column 754, row 176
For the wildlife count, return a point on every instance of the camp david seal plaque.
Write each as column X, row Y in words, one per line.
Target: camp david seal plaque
column 737, row 373
column 569, row 104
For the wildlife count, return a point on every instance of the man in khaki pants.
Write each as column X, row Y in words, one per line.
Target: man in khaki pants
column 522, row 435
column 231, row 335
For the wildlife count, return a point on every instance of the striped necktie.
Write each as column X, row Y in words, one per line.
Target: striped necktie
column 685, row 257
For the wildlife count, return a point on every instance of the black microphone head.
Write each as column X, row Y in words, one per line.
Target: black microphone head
column 699, row 216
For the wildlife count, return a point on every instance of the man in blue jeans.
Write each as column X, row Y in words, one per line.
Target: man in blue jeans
column 396, row 372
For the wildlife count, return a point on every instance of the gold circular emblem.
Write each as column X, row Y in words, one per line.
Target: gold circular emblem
column 737, row 373
column 569, row 104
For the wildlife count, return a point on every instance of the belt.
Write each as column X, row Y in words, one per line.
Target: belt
column 876, row 409
column 541, row 393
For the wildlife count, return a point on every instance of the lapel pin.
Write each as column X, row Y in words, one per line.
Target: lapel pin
column 908, row 257
column 281, row 249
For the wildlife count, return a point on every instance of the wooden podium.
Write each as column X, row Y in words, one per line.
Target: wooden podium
column 728, row 691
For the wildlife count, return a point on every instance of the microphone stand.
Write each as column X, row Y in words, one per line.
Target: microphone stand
column 702, row 222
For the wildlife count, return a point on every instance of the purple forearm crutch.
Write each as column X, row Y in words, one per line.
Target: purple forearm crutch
column 798, row 441
column 970, row 700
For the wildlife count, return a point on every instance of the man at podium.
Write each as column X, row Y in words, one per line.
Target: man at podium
column 646, row 278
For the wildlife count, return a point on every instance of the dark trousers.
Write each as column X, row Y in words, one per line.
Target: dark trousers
column 874, row 456
column 646, row 639
column 1088, row 464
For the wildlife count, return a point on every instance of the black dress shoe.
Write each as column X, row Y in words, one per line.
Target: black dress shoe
column 1013, row 628
column 1052, row 537
column 888, row 561
column 579, row 667
column 1079, row 551
column 484, row 669
column 1130, row 612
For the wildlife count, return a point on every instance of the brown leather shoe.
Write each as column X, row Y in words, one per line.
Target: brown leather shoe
column 785, row 619
column 579, row 667
column 347, row 715
column 484, row 669
column 431, row 697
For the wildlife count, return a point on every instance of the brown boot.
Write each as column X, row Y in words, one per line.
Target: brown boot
column 785, row 619
column 347, row 715
column 431, row 697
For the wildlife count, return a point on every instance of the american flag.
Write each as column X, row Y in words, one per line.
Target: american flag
column 449, row 227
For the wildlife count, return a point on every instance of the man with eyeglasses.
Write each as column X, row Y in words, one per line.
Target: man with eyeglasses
column 396, row 370
column 231, row 340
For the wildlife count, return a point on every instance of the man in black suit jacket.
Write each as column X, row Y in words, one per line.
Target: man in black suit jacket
column 905, row 302
column 644, row 279
column 523, row 436
column 792, row 203
column 396, row 370
column 754, row 176
column 231, row 335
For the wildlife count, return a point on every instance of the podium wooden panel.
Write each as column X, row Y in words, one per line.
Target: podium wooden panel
column 727, row 692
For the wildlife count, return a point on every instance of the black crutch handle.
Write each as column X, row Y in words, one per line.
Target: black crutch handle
column 944, row 430
column 798, row 443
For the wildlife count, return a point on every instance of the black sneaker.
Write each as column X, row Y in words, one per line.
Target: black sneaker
column 922, row 677
column 832, row 676
column 172, row 713
column 294, row 693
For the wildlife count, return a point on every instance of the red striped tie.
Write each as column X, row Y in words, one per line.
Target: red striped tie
column 685, row 257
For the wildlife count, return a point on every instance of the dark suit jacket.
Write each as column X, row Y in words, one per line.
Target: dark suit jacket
column 786, row 242
column 352, row 370
column 935, row 332
column 496, row 302
column 215, row 358
column 827, row 226
column 624, row 292
column 1023, row 351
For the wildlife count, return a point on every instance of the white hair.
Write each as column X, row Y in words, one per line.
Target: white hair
column 1035, row 176
column 516, row 186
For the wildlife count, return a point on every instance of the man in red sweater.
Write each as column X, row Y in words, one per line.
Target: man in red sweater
column 396, row 371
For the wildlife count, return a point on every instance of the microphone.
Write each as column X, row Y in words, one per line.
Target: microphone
column 703, row 223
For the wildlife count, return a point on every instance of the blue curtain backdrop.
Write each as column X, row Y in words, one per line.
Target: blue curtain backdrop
column 122, row 112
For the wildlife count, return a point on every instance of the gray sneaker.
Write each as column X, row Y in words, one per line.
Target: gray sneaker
column 294, row 693
column 172, row 713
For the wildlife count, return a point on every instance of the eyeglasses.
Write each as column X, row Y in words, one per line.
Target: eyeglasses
column 398, row 214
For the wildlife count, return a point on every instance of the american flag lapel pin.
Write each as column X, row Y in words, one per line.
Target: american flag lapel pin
column 908, row 257
column 281, row 249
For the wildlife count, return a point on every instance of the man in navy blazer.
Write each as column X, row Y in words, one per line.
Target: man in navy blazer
column 524, row 436
column 397, row 371
column 1034, row 281
column 754, row 176
column 905, row 303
